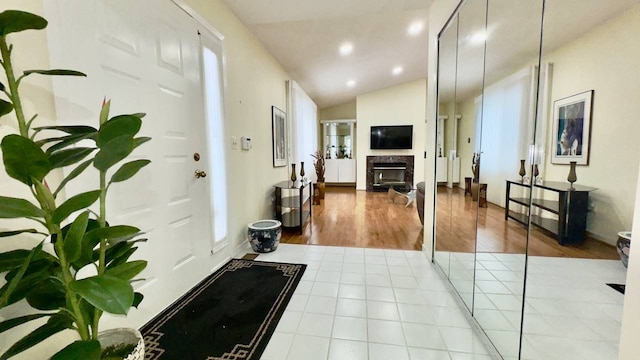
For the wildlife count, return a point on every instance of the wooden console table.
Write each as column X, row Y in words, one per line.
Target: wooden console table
column 290, row 203
column 570, row 209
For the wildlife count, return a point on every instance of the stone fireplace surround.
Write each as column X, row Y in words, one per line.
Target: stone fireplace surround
column 389, row 159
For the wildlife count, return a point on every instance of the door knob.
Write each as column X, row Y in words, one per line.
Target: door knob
column 200, row 174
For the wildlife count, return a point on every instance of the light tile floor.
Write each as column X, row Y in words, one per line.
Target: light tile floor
column 570, row 313
column 371, row 304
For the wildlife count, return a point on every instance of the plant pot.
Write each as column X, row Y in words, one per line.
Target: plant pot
column 264, row 235
column 127, row 337
column 321, row 189
column 623, row 244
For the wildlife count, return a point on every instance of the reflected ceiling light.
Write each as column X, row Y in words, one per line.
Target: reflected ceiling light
column 351, row 83
column 346, row 49
column 397, row 70
column 478, row 37
column 415, row 28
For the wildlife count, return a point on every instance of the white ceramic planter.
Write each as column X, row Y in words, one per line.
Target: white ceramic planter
column 124, row 336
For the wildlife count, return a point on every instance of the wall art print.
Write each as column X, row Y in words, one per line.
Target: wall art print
column 572, row 129
column 279, row 132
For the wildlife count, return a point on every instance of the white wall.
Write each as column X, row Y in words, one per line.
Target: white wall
column 605, row 60
column 630, row 333
column 399, row 105
column 342, row 111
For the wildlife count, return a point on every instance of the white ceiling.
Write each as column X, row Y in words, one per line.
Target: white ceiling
column 305, row 37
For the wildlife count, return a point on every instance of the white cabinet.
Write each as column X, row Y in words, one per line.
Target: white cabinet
column 340, row 171
column 441, row 169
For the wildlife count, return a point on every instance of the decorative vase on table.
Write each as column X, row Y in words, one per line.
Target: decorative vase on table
column 293, row 172
column 536, row 172
column 523, row 171
column 572, row 177
column 302, row 170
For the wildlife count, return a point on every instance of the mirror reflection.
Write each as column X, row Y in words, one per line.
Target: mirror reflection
column 447, row 50
column 543, row 131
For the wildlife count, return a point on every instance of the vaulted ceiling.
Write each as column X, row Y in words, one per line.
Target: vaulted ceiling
column 305, row 36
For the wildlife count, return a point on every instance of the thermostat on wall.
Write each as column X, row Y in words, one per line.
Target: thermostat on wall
column 246, row 143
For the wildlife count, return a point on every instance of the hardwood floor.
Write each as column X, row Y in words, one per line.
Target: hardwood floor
column 495, row 235
column 369, row 219
column 360, row 219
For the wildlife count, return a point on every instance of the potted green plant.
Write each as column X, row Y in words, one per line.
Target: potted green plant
column 75, row 229
column 318, row 164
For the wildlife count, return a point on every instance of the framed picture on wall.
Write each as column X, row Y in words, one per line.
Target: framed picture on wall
column 279, row 132
column 572, row 129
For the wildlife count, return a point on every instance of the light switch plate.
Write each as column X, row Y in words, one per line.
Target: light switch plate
column 235, row 143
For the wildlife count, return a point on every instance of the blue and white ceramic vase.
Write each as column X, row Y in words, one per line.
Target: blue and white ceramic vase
column 623, row 245
column 264, row 235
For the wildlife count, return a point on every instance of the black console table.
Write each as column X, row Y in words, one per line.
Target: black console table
column 570, row 208
column 290, row 203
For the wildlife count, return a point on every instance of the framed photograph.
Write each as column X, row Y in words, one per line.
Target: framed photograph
column 279, row 132
column 572, row 129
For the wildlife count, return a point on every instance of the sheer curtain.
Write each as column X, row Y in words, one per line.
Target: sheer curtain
column 506, row 115
column 303, row 120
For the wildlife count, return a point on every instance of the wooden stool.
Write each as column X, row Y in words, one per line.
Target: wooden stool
column 467, row 186
column 482, row 196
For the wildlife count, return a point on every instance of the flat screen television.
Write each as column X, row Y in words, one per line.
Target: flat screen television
column 392, row 137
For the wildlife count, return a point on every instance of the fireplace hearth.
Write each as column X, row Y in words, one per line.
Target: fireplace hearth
column 384, row 172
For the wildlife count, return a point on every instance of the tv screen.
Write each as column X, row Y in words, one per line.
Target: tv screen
column 392, row 137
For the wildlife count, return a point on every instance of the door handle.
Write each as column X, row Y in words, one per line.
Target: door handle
column 200, row 174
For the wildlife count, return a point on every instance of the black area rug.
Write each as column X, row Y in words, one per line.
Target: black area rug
column 617, row 287
column 229, row 315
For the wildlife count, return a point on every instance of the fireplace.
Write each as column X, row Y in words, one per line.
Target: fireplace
column 384, row 172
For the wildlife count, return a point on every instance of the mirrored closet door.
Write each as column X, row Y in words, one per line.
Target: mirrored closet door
column 525, row 237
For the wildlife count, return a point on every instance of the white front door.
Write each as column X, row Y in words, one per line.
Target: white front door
column 144, row 55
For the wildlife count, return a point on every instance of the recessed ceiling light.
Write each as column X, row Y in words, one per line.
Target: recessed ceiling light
column 397, row 70
column 478, row 37
column 351, row 83
column 416, row 28
column 346, row 49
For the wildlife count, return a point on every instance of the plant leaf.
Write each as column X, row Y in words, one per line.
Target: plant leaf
column 15, row 21
column 68, row 140
column 104, row 111
column 107, row 293
column 10, row 287
column 139, row 141
column 5, row 107
column 73, row 239
column 68, row 156
column 127, row 271
column 11, row 323
column 128, row 170
column 12, row 208
column 79, row 350
column 16, row 232
column 55, row 72
column 72, row 175
column 137, row 299
column 75, row 203
column 12, row 259
column 118, row 126
column 70, row 129
column 49, row 294
column 111, row 232
column 56, row 323
column 23, row 159
column 113, row 152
